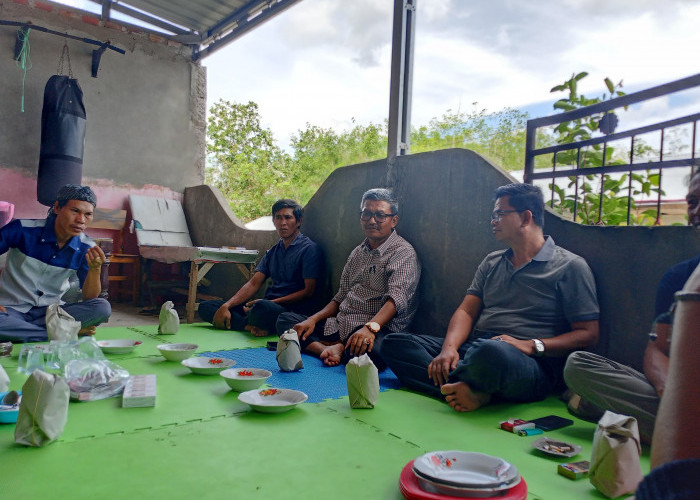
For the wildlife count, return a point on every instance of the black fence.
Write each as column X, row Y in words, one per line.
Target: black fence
column 575, row 170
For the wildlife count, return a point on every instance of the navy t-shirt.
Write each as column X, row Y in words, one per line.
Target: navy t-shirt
column 289, row 267
column 672, row 281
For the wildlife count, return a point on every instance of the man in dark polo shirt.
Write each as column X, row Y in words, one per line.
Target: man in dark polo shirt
column 525, row 310
column 44, row 254
column 295, row 266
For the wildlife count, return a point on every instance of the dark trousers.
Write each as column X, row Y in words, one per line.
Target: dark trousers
column 31, row 326
column 262, row 315
column 489, row 366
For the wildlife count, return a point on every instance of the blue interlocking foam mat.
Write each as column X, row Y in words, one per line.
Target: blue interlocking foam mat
column 318, row 381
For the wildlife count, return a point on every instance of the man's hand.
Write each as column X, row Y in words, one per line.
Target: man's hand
column 360, row 342
column 248, row 305
column 305, row 328
column 439, row 368
column 95, row 257
column 222, row 318
column 527, row 347
column 2, row 309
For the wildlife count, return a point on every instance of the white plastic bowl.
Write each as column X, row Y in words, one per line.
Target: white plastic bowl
column 272, row 400
column 118, row 346
column 237, row 379
column 177, row 352
column 203, row 365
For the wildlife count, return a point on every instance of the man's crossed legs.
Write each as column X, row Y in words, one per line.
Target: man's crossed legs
column 31, row 326
column 488, row 368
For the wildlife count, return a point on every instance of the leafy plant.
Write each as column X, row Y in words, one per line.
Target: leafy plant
column 598, row 199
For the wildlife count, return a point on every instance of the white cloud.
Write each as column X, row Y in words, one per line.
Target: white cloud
column 327, row 61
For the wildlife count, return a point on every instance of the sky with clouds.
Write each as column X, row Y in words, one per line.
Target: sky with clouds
column 326, row 62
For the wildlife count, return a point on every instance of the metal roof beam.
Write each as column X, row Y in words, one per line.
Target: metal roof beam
column 242, row 24
column 401, row 83
column 141, row 17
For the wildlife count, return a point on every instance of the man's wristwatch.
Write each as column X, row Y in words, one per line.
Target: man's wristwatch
column 539, row 347
column 373, row 327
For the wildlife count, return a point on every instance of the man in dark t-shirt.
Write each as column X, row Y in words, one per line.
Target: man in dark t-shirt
column 295, row 266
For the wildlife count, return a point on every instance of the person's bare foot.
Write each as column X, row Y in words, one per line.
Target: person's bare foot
column 257, row 332
column 87, row 331
column 462, row 398
column 331, row 355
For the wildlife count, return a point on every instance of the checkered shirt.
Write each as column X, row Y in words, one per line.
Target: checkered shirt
column 369, row 279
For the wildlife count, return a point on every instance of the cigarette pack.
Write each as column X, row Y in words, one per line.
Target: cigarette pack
column 516, row 424
column 574, row 470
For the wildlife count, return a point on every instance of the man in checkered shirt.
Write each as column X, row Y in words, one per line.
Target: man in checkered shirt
column 377, row 293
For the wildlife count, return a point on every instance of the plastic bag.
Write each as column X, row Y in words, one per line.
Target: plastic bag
column 4, row 380
column 615, row 468
column 43, row 411
column 60, row 324
column 363, row 382
column 289, row 352
column 168, row 320
column 93, row 379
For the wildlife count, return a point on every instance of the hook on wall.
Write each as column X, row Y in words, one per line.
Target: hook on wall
column 96, row 56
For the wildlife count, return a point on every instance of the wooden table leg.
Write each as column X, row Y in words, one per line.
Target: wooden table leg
column 192, row 292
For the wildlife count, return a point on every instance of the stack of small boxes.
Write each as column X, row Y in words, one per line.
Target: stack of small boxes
column 140, row 391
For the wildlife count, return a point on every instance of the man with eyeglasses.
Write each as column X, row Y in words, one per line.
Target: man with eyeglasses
column 525, row 310
column 295, row 265
column 377, row 292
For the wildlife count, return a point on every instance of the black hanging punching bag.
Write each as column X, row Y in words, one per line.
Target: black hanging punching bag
column 62, row 137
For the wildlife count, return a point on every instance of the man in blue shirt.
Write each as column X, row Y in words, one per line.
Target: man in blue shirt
column 295, row 266
column 43, row 255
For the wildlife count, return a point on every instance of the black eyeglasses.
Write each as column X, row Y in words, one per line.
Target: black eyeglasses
column 497, row 215
column 380, row 217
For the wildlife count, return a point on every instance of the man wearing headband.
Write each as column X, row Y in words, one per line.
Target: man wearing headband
column 43, row 255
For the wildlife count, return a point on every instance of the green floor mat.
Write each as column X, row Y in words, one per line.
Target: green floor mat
column 203, row 334
column 200, row 441
column 430, row 424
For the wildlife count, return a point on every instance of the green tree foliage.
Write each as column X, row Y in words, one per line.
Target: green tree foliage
column 498, row 136
column 252, row 171
column 244, row 161
column 602, row 199
column 318, row 152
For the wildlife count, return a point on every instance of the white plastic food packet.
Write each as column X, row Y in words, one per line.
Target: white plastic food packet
column 363, row 382
column 168, row 320
column 289, row 352
column 60, row 324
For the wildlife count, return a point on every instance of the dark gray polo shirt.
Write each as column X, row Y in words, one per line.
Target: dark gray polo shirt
column 540, row 299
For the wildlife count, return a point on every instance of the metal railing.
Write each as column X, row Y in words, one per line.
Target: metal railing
column 605, row 108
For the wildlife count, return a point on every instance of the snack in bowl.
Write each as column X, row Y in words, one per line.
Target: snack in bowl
column 207, row 366
column 245, row 379
column 272, row 400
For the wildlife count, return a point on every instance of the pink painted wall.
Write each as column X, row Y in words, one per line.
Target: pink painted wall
column 20, row 190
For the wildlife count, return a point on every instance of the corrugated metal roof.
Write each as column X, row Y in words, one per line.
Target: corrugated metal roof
column 204, row 24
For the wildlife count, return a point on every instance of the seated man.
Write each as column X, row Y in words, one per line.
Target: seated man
column 43, row 256
column 377, row 292
column 295, row 266
column 527, row 308
column 603, row 384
